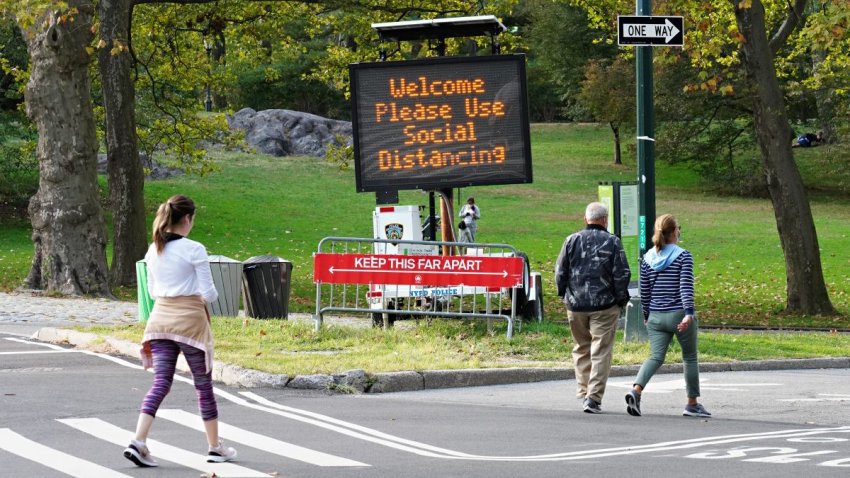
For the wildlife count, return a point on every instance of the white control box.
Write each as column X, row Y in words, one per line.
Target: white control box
column 401, row 223
column 398, row 223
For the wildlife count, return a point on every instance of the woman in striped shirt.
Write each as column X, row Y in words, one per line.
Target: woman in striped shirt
column 667, row 300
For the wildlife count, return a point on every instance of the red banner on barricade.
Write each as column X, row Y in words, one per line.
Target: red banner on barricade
column 481, row 271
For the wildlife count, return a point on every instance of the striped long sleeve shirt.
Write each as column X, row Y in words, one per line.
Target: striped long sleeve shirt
column 670, row 289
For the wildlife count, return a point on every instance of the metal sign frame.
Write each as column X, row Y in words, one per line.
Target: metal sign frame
column 443, row 299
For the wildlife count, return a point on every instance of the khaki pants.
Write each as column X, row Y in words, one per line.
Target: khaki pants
column 593, row 344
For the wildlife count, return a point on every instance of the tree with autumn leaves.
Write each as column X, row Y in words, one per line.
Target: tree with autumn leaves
column 150, row 60
column 739, row 49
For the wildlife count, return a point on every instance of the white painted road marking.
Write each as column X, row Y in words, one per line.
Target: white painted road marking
column 776, row 455
column 368, row 434
column 348, row 428
column 59, row 461
column 827, row 397
column 677, row 385
column 419, row 448
column 790, row 458
column 424, row 449
column 260, row 442
column 31, row 370
column 159, row 450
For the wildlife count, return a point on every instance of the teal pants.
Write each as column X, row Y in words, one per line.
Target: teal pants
column 661, row 328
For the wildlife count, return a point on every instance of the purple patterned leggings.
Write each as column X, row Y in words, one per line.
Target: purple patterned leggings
column 165, row 354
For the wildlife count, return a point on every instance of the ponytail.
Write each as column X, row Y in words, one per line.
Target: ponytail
column 168, row 214
column 665, row 226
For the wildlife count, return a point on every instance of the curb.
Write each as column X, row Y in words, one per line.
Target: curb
column 358, row 381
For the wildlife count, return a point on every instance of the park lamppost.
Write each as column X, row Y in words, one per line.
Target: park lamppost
column 208, row 98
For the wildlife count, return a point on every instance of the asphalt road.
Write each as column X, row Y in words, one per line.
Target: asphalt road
column 70, row 413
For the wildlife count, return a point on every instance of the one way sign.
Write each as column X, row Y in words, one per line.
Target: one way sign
column 650, row 31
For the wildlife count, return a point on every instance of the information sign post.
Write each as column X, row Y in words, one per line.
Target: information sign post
column 622, row 202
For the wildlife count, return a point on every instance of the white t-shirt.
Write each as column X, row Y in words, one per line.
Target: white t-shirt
column 182, row 269
column 475, row 214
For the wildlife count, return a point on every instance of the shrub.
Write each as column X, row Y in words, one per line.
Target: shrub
column 13, row 55
column 544, row 103
column 18, row 164
column 340, row 152
column 282, row 85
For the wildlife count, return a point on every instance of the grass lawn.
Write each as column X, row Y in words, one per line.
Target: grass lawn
column 262, row 205
column 293, row 348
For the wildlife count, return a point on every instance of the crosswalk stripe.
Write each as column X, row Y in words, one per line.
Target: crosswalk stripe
column 30, row 352
column 51, row 458
column 161, row 451
column 260, row 442
column 30, row 342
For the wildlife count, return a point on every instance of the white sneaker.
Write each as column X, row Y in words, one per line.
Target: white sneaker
column 138, row 453
column 221, row 453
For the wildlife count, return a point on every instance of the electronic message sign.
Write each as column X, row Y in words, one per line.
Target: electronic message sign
column 440, row 123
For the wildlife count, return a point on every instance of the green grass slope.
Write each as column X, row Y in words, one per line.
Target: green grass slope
column 284, row 206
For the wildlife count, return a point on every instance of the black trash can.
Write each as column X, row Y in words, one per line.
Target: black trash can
column 265, row 287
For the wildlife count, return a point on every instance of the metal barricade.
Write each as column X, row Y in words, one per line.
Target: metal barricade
column 459, row 294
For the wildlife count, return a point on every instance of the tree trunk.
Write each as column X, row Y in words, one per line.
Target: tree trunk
column 618, row 155
column 805, row 285
column 68, row 231
column 219, row 60
column 124, row 171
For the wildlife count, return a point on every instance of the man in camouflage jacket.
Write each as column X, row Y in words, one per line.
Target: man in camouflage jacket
column 593, row 278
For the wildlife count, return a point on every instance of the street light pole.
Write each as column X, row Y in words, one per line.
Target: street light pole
column 208, row 98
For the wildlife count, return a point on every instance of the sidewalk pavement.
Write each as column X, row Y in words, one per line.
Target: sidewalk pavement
column 48, row 319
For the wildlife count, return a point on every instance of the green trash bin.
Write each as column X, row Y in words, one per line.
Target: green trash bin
column 145, row 300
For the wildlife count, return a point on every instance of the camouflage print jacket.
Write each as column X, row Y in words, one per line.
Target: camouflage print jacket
column 591, row 271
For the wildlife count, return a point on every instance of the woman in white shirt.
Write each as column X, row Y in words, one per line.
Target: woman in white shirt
column 180, row 282
column 470, row 214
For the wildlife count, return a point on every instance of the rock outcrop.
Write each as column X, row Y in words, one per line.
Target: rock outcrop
column 289, row 133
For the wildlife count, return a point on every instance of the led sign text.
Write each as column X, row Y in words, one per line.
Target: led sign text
column 440, row 124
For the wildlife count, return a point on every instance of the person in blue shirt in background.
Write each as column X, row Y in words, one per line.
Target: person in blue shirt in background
column 667, row 300
column 808, row 140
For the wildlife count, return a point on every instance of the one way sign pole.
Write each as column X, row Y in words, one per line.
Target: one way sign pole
column 650, row 31
column 645, row 31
